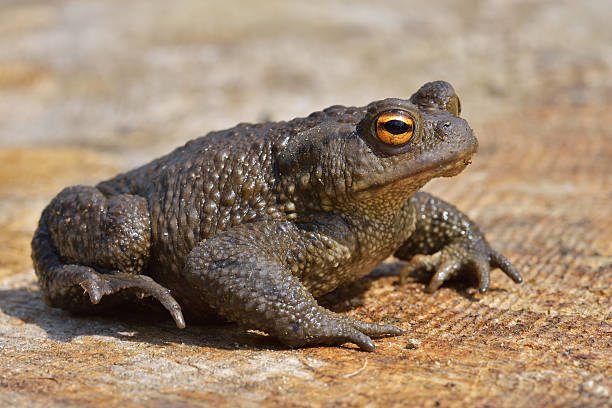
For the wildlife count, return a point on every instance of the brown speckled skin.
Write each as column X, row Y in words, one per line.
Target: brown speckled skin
column 254, row 222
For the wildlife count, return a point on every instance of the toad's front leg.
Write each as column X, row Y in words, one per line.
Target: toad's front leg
column 446, row 241
column 244, row 274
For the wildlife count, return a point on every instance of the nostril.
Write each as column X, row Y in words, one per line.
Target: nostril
column 444, row 128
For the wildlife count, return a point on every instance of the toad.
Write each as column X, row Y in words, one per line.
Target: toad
column 255, row 222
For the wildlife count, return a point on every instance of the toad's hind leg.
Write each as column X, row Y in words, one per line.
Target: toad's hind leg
column 88, row 244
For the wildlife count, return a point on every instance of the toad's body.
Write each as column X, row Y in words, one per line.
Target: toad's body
column 254, row 222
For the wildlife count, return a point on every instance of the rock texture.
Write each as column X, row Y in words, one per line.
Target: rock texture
column 88, row 89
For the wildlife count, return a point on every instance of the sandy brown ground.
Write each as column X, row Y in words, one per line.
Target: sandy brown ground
column 90, row 88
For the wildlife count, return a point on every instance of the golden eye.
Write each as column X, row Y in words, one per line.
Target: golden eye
column 394, row 128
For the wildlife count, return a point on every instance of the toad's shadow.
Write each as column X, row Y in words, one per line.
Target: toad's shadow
column 126, row 325
column 351, row 295
column 157, row 328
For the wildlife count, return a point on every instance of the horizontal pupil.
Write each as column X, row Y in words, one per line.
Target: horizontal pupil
column 397, row 127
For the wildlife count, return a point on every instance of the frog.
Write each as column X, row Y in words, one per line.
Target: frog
column 255, row 223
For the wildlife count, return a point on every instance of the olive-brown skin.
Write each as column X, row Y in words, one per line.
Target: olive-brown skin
column 253, row 223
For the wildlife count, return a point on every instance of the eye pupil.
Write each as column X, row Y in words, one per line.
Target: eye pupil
column 397, row 127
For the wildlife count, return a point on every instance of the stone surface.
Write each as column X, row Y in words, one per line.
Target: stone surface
column 88, row 89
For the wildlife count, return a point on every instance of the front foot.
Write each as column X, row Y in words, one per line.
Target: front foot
column 242, row 275
column 333, row 329
column 466, row 254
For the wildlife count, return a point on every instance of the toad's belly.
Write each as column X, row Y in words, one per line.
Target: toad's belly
column 325, row 280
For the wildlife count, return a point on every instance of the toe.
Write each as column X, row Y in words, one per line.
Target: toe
column 361, row 340
column 93, row 289
column 373, row 329
column 481, row 268
column 417, row 263
column 176, row 313
column 499, row 261
column 443, row 272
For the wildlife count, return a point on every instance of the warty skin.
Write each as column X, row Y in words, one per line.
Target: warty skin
column 255, row 222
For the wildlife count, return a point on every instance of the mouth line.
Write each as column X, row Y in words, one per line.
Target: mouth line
column 441, row 170
column 456, row 167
